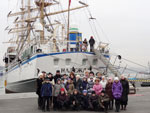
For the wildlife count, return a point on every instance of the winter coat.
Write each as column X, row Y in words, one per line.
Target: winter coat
column 76, row 98
column 93, row 99
column 108, row 90
column 97, row 88
column 103, row 83
column 84, row 85
column 90, row 87
column 78, row 85
column 70, row 88
column 39, row 85
column 125, row 92
column 57, row 77
column 46, row 89
column 91, row 42
column 85, row 101
column 57, row 88
column 117, row 90
column 103, row 99
column 62, row 98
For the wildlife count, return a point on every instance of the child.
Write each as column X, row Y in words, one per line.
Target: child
column 85, row 100
column 57, row 88
column 104, row 101
column 93, row 101
column 75, row 100
column 97, row 87
column 90, row 85
column 62, row 100
column 46, row 93
column 84, row 83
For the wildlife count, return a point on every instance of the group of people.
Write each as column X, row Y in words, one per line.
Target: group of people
column 83, row 46
column 72, row 92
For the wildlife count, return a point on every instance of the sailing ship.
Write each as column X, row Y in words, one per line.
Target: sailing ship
column 44, row 44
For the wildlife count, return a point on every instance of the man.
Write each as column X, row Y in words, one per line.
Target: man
column 91, row 42
column 58, row 75
column 46, row 93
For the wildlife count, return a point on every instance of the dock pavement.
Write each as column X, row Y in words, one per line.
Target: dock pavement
column 27, row 103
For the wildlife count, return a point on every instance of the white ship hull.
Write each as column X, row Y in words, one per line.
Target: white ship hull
column 22, row 77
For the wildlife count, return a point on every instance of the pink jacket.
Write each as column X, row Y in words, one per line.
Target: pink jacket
column 97, row 88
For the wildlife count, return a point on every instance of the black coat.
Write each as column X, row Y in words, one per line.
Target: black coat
column 76, row 98
column 78, row 85
column 93, row 101
column 91, row 42
column 85, row 101
column 39, row 85
column 57, row 77
column 125, row 92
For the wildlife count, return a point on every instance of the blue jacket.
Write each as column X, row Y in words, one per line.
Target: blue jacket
column 46, row 90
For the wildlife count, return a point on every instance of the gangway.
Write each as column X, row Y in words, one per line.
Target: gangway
column 106, row 62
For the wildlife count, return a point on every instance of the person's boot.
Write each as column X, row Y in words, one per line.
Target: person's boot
column 122, row 107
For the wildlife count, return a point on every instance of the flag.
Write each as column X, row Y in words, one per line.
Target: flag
column 69, row 3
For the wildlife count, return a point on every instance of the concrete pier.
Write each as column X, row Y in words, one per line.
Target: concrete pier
column 27, row 103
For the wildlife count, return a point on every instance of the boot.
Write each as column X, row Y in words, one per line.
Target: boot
column 124, row 107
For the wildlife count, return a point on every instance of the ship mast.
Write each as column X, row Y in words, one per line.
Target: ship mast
column 69, row 3
column 42, row 21
column 29, row 22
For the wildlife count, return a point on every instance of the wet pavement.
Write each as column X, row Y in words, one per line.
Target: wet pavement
column 27, row 103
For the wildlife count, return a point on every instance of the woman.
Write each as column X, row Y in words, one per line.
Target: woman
column 84, row 83
column 125, row 92
column 108, row 90
column 117, row 92
column 97, row 87
column 69, row 86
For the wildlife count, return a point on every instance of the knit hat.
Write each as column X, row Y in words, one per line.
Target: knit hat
column 78, row 76
column 62, row 89
column 84, row 91
column 116, row 78
column 110, row 78
column 41, row 74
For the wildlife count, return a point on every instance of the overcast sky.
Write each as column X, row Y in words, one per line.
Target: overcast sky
column 125, row 22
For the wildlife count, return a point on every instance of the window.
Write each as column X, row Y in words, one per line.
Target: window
column 68, row 61
column 56, row 62
column 95, row 61
column 84, row 61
